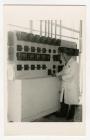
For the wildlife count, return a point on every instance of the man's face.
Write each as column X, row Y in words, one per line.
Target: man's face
column 63, row 56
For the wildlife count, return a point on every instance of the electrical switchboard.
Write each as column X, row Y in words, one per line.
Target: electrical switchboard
column 34, row 56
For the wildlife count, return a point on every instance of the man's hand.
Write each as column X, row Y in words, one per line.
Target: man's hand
column 53, row 75
column 60, row 77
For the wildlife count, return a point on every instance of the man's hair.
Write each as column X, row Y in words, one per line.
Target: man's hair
column 69, row 51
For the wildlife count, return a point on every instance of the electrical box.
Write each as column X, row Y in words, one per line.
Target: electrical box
column 33, row 56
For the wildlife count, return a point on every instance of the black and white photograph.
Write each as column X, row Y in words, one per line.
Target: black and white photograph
column 45, row 59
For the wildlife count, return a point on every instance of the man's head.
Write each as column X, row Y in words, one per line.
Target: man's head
column 66, row 52
column 65, row 57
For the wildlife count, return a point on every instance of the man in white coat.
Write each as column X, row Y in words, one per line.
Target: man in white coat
column 69, row 77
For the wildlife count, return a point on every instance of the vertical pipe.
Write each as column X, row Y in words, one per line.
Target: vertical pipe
column 51, row 27
column 31, row 26
column 80, row 57
column 48, row 28
column 45, row 28
column 40, row 27
column 80, row 36
column 60, row 29
column 73, row 31
column 55, row 28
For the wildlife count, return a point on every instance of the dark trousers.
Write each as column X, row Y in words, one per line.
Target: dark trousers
column 67, row 111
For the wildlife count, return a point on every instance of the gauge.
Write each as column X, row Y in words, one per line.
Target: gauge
column 26, row 67
column 54, row 66
column 38, row 49
column 54, row 51
column 32, row 49
column 32, row 67
column 43, row 66
column 49, row 72
column 26, row 48
column 19, row 67
column 49, row 50
column 19, row 47
column 38, row 67
column 43, row 50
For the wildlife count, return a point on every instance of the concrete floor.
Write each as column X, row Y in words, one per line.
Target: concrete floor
column 53, row 118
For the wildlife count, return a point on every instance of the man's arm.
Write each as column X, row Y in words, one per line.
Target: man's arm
column 70, row 72
column 59, row 73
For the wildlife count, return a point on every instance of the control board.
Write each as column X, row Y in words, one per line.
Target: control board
column 34, row 56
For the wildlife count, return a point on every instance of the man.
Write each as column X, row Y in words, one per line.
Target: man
column 69, row 77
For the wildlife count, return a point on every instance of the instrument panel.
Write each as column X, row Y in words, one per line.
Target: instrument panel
column 33, row 56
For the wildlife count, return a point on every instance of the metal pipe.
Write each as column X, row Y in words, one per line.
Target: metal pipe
column 80, row 37
column 80, row 28
column 19, row 26
column 60, row 29
column 55, row 28
column 70, row 29
column 68, row 37
column 31, row 26
column 45, row 27
column 67, row 28
column 40, row 27
column 51, row 28
column 48, row 28
column 43, row 31
column 80, row 59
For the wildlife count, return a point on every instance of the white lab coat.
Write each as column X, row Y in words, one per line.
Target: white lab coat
column 70, row 83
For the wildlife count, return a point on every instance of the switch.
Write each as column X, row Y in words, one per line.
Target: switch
column 19, row 47
column 37, row 57
column 26, row 48
column 54, row 51
column 24, row 36
column 43, row 39
column 54, row 66
column 49, row 50
column 28, row 56
column 45, row 57
column 56, row 57
column 58, row 42
column 31, row 56
column 37, row 38
column 21, row 56
column 60, row 68
column 24, row 56
column 49, row 72
column 49, row 40
column 43, row 50
column 38, row 67
column 19, row 67
column 54, row 41
column 26, row 67
column 32, row 49
column 43, row 66
column 32, row 67
column 30, row 37
column 59, row 50
column 38, row 49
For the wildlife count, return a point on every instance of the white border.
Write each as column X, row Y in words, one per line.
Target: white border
column 87, row 69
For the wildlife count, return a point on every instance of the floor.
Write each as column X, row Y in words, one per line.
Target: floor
column 52, row 117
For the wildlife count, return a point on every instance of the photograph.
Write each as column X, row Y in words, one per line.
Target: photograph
column 44, row 64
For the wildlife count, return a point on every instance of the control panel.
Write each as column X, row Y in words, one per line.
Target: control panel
column 33, row 56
